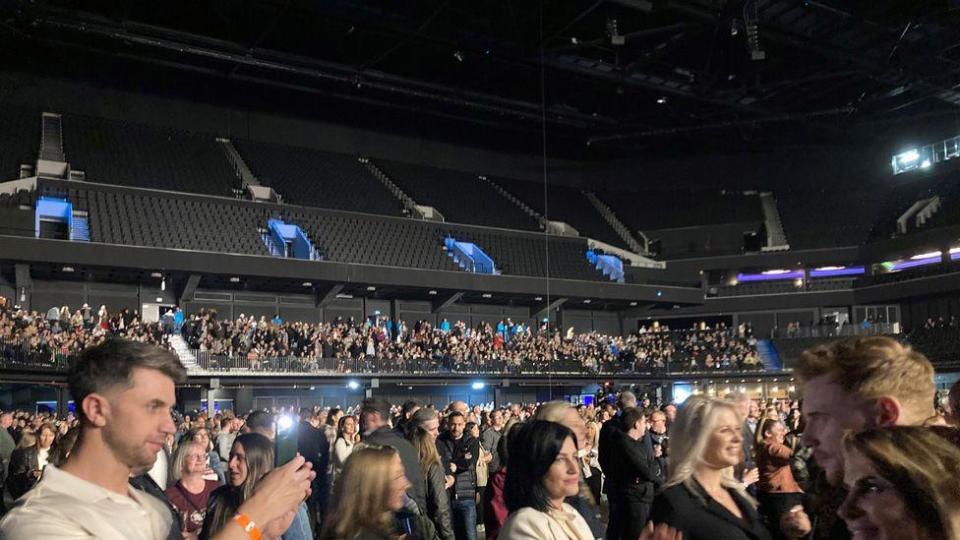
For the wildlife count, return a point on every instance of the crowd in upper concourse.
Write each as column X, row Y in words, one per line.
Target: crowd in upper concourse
column 259, row 344
column 871, row 451
column 452, row 344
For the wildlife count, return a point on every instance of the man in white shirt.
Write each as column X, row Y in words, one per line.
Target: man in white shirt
column 124, row 391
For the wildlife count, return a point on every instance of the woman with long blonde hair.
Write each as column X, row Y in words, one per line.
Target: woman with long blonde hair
column 366, row 495
column 702, row 499
column 904, row 482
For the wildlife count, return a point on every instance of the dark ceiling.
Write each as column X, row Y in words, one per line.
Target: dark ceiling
column 616, row 76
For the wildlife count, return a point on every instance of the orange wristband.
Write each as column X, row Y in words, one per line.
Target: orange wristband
column 248, row 526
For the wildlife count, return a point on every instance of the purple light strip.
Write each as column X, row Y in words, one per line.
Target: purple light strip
column 852, row 271
column 745, row 278
column 902, row 265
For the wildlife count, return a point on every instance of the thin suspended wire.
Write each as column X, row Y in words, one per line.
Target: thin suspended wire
column 546, row 207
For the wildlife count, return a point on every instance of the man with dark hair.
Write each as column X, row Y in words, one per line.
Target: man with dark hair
column 461, row 451
column 407, row 410
column 375, row 429
column 124, row 392
column 312, row 444
column 262, row 422
column 633, row 477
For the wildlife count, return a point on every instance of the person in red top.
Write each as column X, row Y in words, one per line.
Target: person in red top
column 777, row 490
column 190, row 493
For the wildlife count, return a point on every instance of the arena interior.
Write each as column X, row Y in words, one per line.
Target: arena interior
column 495, row 203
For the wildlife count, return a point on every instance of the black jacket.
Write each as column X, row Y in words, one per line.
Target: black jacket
column 411, row 462
column 312, row 444
column 702, row 518
column 634, row 472
column 20, row 478
column 463, row 453
column 438, row 505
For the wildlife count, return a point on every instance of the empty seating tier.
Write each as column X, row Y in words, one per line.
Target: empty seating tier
column 19, row 140
column 127, row 154
column 317, row 178
column 461, row 197
column 565, row 204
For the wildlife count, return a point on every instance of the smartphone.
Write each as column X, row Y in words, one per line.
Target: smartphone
column 285, row 441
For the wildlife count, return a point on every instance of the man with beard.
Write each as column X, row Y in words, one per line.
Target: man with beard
column 124, row 392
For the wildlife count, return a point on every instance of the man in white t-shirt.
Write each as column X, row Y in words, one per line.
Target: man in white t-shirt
column 124, row 391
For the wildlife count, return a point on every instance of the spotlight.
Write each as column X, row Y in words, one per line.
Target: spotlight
column 662, row 100
column 235, row 279
column 574, row 40
column 163, row 284
column 353, row 385
column 284, row 422
column 307, row 284
column 478, row 385
column 458, row 55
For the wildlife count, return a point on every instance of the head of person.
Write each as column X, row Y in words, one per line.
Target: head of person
column 28, row 438
column 262, row 422
column 473, row 429
column 251, row 457
column 562, row 412
column 201, row 436
column 708, row 434
column 658, row 422
column 367, row 492
column 457, row 424
column 904, row 482
column 543, row 468
column 633, row 422
column 6, row 420
column 426, row 420
column 46, row 435
column 671, row 411
column 772, row 431
column 124, row 391
column 858, row 383
column 334, row 416
column 63, row 447
column 374, row 414
column 460, row 406
column 496, row 419
column 409, row 408
column 742, row 403
column 189, row 460
column 626, row 400
column 347, row 427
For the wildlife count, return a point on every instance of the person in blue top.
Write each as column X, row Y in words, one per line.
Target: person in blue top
column 445, row 326
column 277, row 320
column 178, row 317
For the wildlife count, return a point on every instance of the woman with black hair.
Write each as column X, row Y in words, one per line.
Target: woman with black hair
column 544, row 470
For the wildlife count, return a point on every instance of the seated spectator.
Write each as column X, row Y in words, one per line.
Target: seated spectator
column 369, row 497
column 190, row 491
column 544, row 470
column 903, row 482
